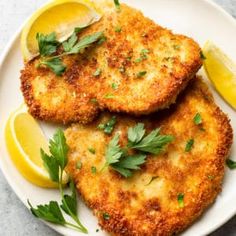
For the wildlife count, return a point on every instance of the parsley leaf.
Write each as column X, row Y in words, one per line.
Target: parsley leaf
column 55, row 64
column 117, row 4
column 59, row 148
column 197, row 119
column 180, row 199
column 153, row 143
column 129, row 163
column 136, row 133
column 106, row 216
column 51, row 166
column 231, row 164
column 113, row 151
column 141, row 74
column 47, row 43
column 92, row 150
column 189, row 145
column 50, row 212
column 85, row 42
column 109, row 126
column 70, row 43
column 70, row 201
column 93, row 169
column 55, row 165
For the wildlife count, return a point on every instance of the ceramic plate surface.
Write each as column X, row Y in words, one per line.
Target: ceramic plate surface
column 200, row 19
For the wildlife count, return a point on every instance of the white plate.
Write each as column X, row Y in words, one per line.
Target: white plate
column 200, row 19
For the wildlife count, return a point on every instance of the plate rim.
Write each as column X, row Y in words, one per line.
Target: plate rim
column 16, row 189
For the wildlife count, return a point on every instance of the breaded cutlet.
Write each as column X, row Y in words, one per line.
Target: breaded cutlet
column 140, row 68
column 147, row 204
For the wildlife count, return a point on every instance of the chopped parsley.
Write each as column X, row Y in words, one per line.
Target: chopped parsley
column 97, row 72
column 118, row 29
column 114, row 86
column 143, row 55
column 140, row 74
column 93, row 169
column 109, row 96
column 189, row 145
column 231, row 164
column 180, row 199
column 92, row 150
column 197, row 119
column 93, row 100
column 106, row 216
column 108, row 127
column 78, row 165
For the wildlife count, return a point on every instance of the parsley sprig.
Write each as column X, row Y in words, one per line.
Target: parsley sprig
column 48, row 46
column 55, row 163
column 153, row 143
column 119, row 159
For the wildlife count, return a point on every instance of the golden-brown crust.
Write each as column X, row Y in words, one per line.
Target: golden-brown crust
column 137, row 207
column 51, row 98
column 170, row 62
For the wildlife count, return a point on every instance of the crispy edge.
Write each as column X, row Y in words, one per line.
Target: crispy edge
column 36, row 110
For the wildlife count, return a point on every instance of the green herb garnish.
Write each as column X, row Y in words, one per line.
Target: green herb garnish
column 231, row 164
column 48, row 45
column 180, row 199
column 189, row 145
column 55, row 164
column 119, row 161
column 114, row 86
column 117, row 29
column 93, row 169
column 108, row 127
column 78, row 165
column 94, row 100
column 55, row 64
column 153, row 143
column 141, row 74
column 109, row 96
column 92, row 150
column 117, row 4
column 106, row 216
column 197, row 119
column 125, row 164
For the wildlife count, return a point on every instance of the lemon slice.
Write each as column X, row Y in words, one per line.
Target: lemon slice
column 24, row 139
column 61, row 17
column 221, row 71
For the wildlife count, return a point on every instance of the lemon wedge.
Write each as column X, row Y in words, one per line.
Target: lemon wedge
column 221, row 71
column 24, row 138
column 61, row 17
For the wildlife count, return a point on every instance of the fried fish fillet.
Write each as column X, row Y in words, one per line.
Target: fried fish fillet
column 146, row 204
column 140, row 68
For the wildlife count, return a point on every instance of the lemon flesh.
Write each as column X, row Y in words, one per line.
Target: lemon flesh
column 221, row 71
column 24, row 139
column 61, row 17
